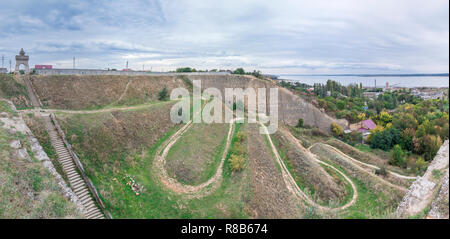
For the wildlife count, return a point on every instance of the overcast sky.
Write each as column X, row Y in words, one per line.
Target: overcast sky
column 306, row 37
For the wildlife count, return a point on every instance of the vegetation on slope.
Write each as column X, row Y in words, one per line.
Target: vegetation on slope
column 95, row 92
column 194, row 158
column 116, row 150
column 14, row 91
column 27, row 189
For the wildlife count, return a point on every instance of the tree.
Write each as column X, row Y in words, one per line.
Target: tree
column 239, row 71
column 336, row 129
column 385, row 117
column 430, row 146
column 163, row 94
column 397, row 156
column 385, row 139
column 406, row 139
column 361, row 116
column 300, row 123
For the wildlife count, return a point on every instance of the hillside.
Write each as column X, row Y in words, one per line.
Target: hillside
column 30, row 186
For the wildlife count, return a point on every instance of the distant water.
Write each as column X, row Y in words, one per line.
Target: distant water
column 400, row 81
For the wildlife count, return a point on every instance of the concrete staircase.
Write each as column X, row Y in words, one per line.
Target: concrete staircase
column 77, row 183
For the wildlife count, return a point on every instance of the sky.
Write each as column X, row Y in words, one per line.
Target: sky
column 276, row 37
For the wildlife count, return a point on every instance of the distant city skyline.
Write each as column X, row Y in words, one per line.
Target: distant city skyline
column 282, row 37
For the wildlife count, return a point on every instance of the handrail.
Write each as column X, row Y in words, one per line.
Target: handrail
column 80, row 167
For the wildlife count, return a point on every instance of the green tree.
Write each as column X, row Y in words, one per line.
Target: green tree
column 239, row 71
column 397, row 156
column 336, row 129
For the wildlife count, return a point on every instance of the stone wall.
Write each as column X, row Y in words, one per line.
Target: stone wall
column 423, row 191
column 110, row 72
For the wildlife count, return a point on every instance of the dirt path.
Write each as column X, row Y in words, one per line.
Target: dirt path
column 362, row 163
column 190, row 190
column 124, row 91
column 352, row 162
column 94, row 111
column 294, row 188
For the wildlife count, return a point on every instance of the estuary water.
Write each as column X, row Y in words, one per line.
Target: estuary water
column 394, row 81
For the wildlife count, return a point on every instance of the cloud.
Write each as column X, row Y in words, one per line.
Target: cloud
column 307, row 36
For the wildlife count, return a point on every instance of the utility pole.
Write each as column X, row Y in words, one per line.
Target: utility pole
column 9, row 65
column 126, row 66
column 74, row 63
column 3, row 60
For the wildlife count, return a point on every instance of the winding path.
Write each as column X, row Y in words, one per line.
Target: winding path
column 173, row 184
column 362, row 163
column 352, row 162
column 293, row 186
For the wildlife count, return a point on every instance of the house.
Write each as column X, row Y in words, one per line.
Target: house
column 3, row 70
column 364, row 126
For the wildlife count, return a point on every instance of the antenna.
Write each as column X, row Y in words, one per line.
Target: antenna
column 74, row 63
column 126, row 66
column 3, row 60
column 9, row 65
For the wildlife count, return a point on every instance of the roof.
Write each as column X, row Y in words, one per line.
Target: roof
column 368, row 124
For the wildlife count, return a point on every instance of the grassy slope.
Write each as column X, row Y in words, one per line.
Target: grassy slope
column 82, row 92
column 27, row 189
column 115, row 145
column 36, row 125
column 374, row 199
column 14, row 91
column 194, row 158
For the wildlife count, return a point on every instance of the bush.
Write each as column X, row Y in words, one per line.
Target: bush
column 163, row 94
column 336, row 129
column 300, row 123
column 240, row 136
column 237, row 162
column 381, row 171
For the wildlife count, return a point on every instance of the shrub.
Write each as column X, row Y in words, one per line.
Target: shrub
column 336, row 129
column 237, row 162
column 163, row 94
column 381, row 171
column 240, row 136
column 300, row 123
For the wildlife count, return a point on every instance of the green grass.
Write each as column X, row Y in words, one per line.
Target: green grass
column 195, row 157
column 157, row 202
column 14, row 91
column 368, row 204
column 28, row 189
column 364, row 148
column 310, row 190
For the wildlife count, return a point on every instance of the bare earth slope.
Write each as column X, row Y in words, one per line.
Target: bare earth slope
column 270, row 197
column 88, row 92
